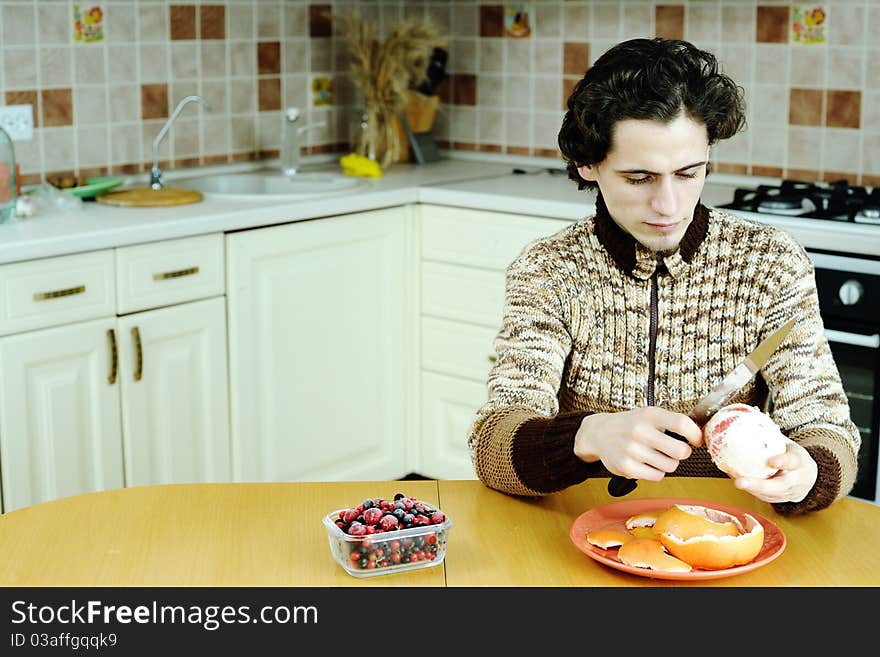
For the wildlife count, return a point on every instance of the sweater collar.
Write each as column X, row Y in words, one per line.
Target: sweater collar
column 634, row 259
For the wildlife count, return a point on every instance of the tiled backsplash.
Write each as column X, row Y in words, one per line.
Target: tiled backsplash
column 104, row 76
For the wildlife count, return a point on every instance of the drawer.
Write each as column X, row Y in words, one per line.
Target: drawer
column 463, row 294
column 457, row 349
column 51, row 291
column 168, row 272
column 479, row 238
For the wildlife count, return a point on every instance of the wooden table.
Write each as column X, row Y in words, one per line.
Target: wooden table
column 270, row 534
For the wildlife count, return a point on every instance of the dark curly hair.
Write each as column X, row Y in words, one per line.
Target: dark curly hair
column 652, row 79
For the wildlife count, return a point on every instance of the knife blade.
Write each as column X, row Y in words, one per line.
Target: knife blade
column 719, row 396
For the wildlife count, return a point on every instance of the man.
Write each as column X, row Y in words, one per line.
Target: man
column 615, row 326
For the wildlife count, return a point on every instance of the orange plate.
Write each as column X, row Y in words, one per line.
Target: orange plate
column 614, row 515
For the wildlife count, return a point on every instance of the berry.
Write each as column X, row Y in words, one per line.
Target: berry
column 437, row 517
column 372, row 515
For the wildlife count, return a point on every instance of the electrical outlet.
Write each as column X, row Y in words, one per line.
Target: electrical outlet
column 18, row 121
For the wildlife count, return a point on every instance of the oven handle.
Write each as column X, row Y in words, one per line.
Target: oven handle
column 856, row 339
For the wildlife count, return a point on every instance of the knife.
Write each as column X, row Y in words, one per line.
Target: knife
column 719, row 396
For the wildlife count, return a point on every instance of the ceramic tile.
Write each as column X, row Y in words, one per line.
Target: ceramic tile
column 269, row 57
column 805, row 107
column 154, row 101
column 771, row 24
column 576, row 58
column 26, row 97
column 182, row 21
column 491, row 21
column 269, row 92
column 57, row 107
column 212, row 21
column 843, row 109
column 669, row 21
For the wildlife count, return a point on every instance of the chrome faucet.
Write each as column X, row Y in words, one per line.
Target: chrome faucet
column 290, row 140
column 156, row 181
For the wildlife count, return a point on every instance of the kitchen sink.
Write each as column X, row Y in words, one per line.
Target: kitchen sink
column 272, row 183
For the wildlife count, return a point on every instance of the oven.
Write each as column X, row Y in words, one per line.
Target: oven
column 849, row 300
column 848, row 285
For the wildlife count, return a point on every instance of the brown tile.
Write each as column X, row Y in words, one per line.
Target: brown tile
column 727, row 167
column 186, row 162
column 31, row 178
column 319, row 149
column 57, row 107
column 444, row 91
column 183, row 21
column 129, row 168
column 490, row 148
column 771, row 25
column 320, row 24
column 464, row 146
column 575, row 58
column 870, row 181
column 269, row 57
column 154, row 101
column 247, row 156
column 806, row 175
column 769, row 172
column 669, row 21
column 91, row 172
column 850, row 177
column 844, row 109
column 216, row 159
column 464, row 88
column 547, row 152
column 268, row 153
column 805, row 107
column 568, row 85
column 269, row 94
column 61, row 179
column 212, row 22
column 443, row 144
column 519, row 150
column 491, row 20
column 28, row 97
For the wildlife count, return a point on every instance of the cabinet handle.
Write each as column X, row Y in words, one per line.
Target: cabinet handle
column 114, row 356
column 164, row 276
column 139, row 367
column 54, row 294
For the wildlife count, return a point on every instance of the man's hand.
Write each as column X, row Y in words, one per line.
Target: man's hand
column 633, row 443
column 796, row 477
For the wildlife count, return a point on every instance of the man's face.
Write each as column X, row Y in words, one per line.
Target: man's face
column 652, row 178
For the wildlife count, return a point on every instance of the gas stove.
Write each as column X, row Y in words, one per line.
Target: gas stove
column 837, row 201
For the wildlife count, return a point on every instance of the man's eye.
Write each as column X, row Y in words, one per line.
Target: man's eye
column 638, row 181
column 687, row 175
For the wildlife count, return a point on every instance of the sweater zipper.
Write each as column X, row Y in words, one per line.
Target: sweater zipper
column 652, row 337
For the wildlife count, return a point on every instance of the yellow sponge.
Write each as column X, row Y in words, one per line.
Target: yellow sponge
column 358, row 165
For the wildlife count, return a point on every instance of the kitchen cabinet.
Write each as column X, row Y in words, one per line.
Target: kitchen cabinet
column 91, row 398
column 322, row 385
column 463, row 257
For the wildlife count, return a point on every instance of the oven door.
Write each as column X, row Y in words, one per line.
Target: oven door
column 858, row 360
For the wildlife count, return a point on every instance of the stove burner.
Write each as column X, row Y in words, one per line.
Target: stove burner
column 836, row 201
column 868, row 215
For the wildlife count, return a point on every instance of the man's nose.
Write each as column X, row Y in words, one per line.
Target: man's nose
column 663, row 202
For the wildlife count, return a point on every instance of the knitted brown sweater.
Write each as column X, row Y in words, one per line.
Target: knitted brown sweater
column 575, row 341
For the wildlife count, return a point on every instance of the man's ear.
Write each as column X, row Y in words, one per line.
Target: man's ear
column 587, row 172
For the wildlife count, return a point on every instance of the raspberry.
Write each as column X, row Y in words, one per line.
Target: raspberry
column 372, row 515
column 350, row 515
column 437, row 517
column 388, row 523
column 357, row 529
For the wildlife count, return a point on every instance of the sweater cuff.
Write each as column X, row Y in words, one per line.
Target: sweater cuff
column 825, row 489
column 543, row 454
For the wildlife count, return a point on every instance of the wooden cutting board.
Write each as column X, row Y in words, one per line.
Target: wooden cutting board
column 147, row 198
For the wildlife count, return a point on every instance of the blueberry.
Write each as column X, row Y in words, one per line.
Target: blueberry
column 398, row 496
column 399, row 513
column 368, row 503
column 408, row 518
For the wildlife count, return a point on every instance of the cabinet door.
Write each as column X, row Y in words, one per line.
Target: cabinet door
column 175, row 406
column 319, row 349
column 59, row 413
column 449, row 406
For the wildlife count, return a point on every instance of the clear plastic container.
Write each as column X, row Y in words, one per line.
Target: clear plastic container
column 8, row 185
column 374, row 554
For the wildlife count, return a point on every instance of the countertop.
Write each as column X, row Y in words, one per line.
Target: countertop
column 474, row 183
column 271, row 534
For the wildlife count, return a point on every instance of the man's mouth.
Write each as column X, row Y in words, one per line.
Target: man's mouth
column 663, row 227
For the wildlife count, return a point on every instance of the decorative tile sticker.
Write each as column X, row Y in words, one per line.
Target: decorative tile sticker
column 322, row 91
column 808, row 24
column 517, row 21
column 88, row 24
